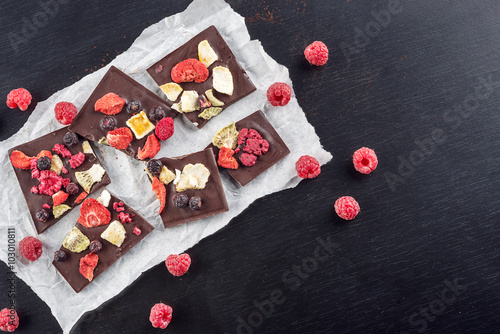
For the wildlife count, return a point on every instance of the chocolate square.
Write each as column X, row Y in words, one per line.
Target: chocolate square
column 242, row 84
column 35, row 201
column 277, row 148
column 87, row 121
column 212, row 196
column 70, row 268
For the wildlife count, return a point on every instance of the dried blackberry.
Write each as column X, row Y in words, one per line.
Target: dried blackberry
column 72, row 188
column 133, row 107
column 70, row 139
column 42, row 215
column 43, row 163
column 59, row 256
column 95, row 246
column 108, row 123
column 181, row 200
column 154, row 166
column 195, row 203
column 156, row 114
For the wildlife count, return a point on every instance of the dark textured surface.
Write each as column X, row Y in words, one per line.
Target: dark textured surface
column 401, row 92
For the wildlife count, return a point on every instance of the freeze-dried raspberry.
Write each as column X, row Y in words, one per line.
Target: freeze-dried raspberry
column 165, row 128
column 65, row 112
column 137, row 231
column 93, row 213
column 88, row 264
column 346, row 207
column 21, row 160
column 34, row 190
column 151, row 147
column 61, row 150
column 178, row 265
column 120, row 138
column 59, row 197
column 248, row 134
column 160, row 315
column 189, row 70
column 81, row 197
column 365, row 160
column 9, row 320
column 50, row 182
column 109, row 104
column 316, row 53
column 125, row 218
column 30, row 248
column 256, row 146
column 279, row 94
column 19, row 98
column 64, row 170
column 307, row 167
column 77, row 160
column 226, row 158
column 46, row 206
column 248, row 159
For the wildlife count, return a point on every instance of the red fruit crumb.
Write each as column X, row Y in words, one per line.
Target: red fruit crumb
column 125, row 218
column 165, row 128
column 50, row 182
column 81, row 197
column 19, row 98
column 30, row 248
column 65, row 182
column 137, row 231
column 61, row 150
column 59, row 197
column 65, row 112
column 316, row 53
column 46, row 206
column 151, row 147
column 109, row 104
column 64, row 170
column 248, row 159
column 77, row 160
column 93, row 213
column 120, row 138
column 34, row 190
column 307, row 167
column 160, row 315
column 88, row 264
column 44, row 153
column 9, row 320
column 346, row 207
column 120, row 209
column 256, row 146
column 189, row 70
column 160, row 191
column 20, row 160
column 242, row 136
column 226, row 158
column 237, row 150
column 365, row 160
column 279, row 94
column 178, row 265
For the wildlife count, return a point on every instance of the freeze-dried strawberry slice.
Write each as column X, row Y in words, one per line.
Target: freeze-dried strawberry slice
column 120, row 138
column 88, row 264
column 20, row 160
column 59, row 197
column 44, row 153
column 109, row 104
column 150, row 149
column 93, row 213
column 160, row 192
column 189, row 70
column 81, row 197
column 226, row 158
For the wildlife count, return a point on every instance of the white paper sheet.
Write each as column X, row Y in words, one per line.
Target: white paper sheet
column 130, row 183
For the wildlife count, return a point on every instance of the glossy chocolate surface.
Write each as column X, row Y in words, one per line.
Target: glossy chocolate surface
column 242, row 84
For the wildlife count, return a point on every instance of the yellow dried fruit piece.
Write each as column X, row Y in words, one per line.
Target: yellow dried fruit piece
column 140, row 125
column 227, row 136
column 172, row 90
column 210, row 112
column 58, row 211
column 87, row 178
column 87, row 148
column 166, row 175
column 76, row 241
column 193, row 177
column 206, row 54
column 57, row 164
column 222, row 80
column 213, row 100
column 177, row 106
column 115, row 233
column 188, row 101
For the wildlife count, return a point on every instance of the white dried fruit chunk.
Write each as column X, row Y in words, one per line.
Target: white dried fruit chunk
column 76, row 241
column 166, row 175
column 115, row 233
column 213, row 100
column 206, row 54
column 104, row 198
column 87, row 148
column 140, row 125
column 57, row 164
column 188, row 101
column 177, row 106
column 172, row 90
column 222, row 80
column 87, row 178
column 193, row 177
column 177, row 176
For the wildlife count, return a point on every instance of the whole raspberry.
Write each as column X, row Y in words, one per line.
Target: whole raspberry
column 307, row 167
column 65, row 112
column 160, row 315
column 30, row 248
column 19, row 98
column 346, row 207
column 365, row 160
column 279, row 93
column 178, row 265
column 165, row 128
column 316, row 53
column 9, row 320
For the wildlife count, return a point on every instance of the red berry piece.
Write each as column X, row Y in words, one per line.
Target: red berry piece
column 346, row 207
column 165, row 128
column 279, row 94
column 226, row 158
column 81, row 197
column 307, row 167
column 160, row 191
column 316, row 53
column 248, row 159
column 120, row 138
column 137, row 231
column 61, row 150
column 178, row 265
column 65, row 112
column 77, row 160
column 150, row 149
column 30, row 248
column 87, row 265
column 20, row 98
column 9, row 320
column 59, row 197
column 160, row 315
column 109, row 104
column 125, row 218
column 365, row 160
column 93, row 213
column 20, row 160
column 256, row 146
column 189, row 70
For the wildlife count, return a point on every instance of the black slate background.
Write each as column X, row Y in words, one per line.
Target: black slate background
column 437, row 224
